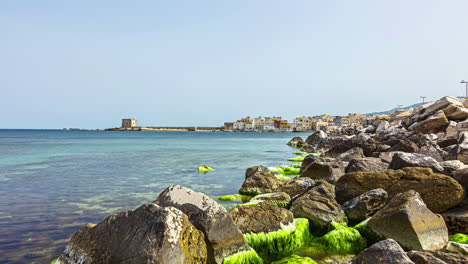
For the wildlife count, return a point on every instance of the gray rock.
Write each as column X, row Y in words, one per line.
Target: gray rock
column 431, row 151
column 405, row 145
column 462, row 152
column 384, row 252
column 456, row 220
column 402, row 160
column 436, row 257
column 366, row 165
column 149, row 234
column 296, row 142
column 365, row 205
column 260, row 218
column 382, row 126
column 353, row 153
column 429, row 109
column 462, row 126
column 407, row 220
column 316, row 137
column 324, row 169
column 277, row 197
column 223, row 236
column 451, row 166
column 457, row 248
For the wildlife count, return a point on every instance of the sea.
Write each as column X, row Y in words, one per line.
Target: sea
column 53, row 182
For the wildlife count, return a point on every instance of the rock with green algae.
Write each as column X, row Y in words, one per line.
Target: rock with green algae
column 459, row 238
column 53, row 262
column 281, row 243
column 295, row 259
column 370, row 236
column 205, row 169
column 341, row 240
column 297, row 159
column 235, row 197
column 244, row 257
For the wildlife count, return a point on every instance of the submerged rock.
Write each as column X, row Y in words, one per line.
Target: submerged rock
column 407, row 220
column 365, row 205
column 149, row 234
column 260, row 218
column 384, row 252
column 439, row 192
column 221, row 233
column 296, row 142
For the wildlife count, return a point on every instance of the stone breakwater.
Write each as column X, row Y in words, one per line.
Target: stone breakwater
column 392, row 191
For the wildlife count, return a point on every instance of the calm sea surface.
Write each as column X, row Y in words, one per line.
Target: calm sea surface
column 52, row 182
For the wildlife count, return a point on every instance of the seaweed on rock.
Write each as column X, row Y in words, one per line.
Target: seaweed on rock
column 280, row 204
column 295, row 259
column 370, row 236
column 244, row 257
column 342, row 240
column 281, row 243
column 459, row 238
column 235, row 197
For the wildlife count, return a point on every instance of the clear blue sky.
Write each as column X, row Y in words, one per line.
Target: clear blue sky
column 89, row 63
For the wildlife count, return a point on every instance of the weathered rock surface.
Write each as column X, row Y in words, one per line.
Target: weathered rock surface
column 319, row 206
column 365, row 205
column 316, row 137
column 436, row 257
column 450, row 166
column 385, row 252
column 439, row 192
column 433, row 124
column 456, row 112
column 278, row 197
column 260, row 218
column 353, row 153
column 402, row 160
column 296, row 142
column 221, row 233
column 430, row 109
column 149, row 234
column 456, row 220
column 324, row 169
column 407, row 220
column 366, row 165
column 405, row 145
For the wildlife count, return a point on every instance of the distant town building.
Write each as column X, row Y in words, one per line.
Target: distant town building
column 129, row 122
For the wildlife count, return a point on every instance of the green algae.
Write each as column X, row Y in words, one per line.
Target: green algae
column 459, row 238
column 244, row 257
column 291, row 171
column 295, row 259
column 297, row 165
column 297, row 159
column 341, row 240
column 277, row 169
column 281, row 243
column 370, row 236
column 280, row 204
column 205, row 169
column 235, row 197
column 53, row 262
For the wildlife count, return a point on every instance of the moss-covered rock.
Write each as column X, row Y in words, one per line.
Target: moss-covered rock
column 235, row 197
column 244, row 257
column 280, row 199
column 341, row 240
column 459, row 238
column 297, row 159
column 370, row 236
column 295, row 259
column 281, row 243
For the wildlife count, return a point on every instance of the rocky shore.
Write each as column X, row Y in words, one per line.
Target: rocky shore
column 389, row 191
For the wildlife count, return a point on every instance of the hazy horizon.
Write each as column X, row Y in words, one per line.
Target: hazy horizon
column 88, row 64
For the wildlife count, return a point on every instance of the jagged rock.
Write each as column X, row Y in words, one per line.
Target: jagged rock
column 456, row 112
column 436, row 257
column 260, row 218
column 350, row 154
column 366, row 165
column 461, row 176
column 407, row 220
column 439, row 192
column 448, row 141
column 385, row 252
column 273, row 198
column 316, row 137
column 256, row 170
column 149, row 234
column 260, row 180
column 319, row 206
column 462, row 126
column 433, row 124
column 296, row 186
column 429, row 109
column 451, row 131
column 432, row 152
column 462, row 152
column 456, row 220
column 296, row 142
column 382, row 126
column 365, row 205
column 387, row 156
column 401, row 114
column 221, row 233
column 451, row 166
column 405, row 145
column 450, row 152
column 403, row 160
column 457, row 248
column 324, row 169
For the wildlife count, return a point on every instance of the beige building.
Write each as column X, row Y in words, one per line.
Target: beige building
column 129, row 122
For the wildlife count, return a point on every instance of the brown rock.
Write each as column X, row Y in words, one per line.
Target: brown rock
column 260, row 218
column 433, row 124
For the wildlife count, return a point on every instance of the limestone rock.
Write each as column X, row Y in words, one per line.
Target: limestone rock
column 462, row 126
column 407, row 220
column 456, row 112
column 385, row 252
column 405, row 145
column 366, row 165
column 439, row 192
column 273, row 198
column 365, row 205
column 456, row 220
column 429, row 109
column 353, row 153
column 450, row 166
column 316, row 137
column 259, row 180
column 433, row 124
column 149, row 234
column 223, row 236
column 324, row 169
column 403, row 160
column 296, row 142
column 436, row 257
column 260, row 218
column 382, row 126
column 462, row 152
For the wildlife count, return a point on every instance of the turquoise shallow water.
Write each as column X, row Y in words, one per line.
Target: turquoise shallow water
column 52, row 182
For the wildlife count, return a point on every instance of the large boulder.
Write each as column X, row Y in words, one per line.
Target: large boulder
column 366, row 165
column 436, row 257
column 319, row 206
column 353, row 153
column 296, row 142
column 461, row 175
column 149, row 234
column 405, row 145
column 407, row 220
column 456, row 220
column 450, row 166
column 324, row 169
column 221, row 233
column 315, row 138
column 456, row 112
column 435, row 123
column 402, row 160
column 462, row 152
column 439, row 192
column 429, row 109
column 277, row 198
column 365, row 205
column 260, row 218
column 384, row 252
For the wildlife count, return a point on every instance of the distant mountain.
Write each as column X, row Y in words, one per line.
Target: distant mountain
column 394, row 109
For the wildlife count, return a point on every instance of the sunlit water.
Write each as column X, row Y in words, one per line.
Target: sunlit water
column 53, row 182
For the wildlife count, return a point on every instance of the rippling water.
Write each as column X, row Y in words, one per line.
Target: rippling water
column 52, row 182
